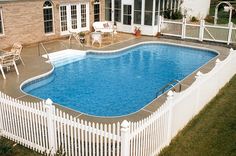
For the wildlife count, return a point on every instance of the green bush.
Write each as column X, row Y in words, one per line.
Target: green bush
column 173, row 15
column 167, row 14
column 177, row 15
column 194, row 19
column 209, row 19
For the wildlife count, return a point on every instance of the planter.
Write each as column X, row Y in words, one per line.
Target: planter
column 138, row 33
column 82, row 40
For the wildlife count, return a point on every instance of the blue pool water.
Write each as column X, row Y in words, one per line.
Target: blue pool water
column 119, row 83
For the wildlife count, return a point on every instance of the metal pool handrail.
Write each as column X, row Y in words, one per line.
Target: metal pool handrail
column 162, row 90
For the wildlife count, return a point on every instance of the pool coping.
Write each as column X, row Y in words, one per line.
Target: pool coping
column 155, row 104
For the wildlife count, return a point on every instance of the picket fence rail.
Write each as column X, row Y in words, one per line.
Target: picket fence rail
column 198, row 31
column 46, row 129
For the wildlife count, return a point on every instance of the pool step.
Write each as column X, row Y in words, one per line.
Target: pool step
column 64, row 57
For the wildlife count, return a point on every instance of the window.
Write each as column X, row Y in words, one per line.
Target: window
column 137, row 11
column 48, row 17
column 1, row 23
column 127, row 15
column 96, row 11
column 108, row 10
column 83, row 16
column 63, row 18
column 157, row 7
column 117, row 10
column 148, row 12
column 73, row 16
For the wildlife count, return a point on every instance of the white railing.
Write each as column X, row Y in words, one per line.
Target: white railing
column 198, row 31
column 42, row 127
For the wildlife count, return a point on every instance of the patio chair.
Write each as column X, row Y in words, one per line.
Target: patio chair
column 16, row 49
column 6, row 61
column 75, row 34
column 96, row 37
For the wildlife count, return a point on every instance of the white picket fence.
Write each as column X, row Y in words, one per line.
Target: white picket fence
column 198, row 31
column 42, row 127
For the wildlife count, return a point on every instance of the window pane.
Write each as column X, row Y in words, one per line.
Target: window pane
column 108, row 14
column 138, row 5
column 137, row 17
column 157, row 5
column 118, row 4
column 149, row 5
column 117, row 12
column 127, row 9
column 83, row 16
column 96, row 12
column 148, row 12
column 117, row 15
column 47, row 4
column 108, row 3
column 137, row 11
column 108, row 10
column 48, row 20
column 127, row 20
column 148, row 18
column 1, row 24
column 73, row 16
column 63, row 18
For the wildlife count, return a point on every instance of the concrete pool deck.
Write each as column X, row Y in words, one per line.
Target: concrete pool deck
column 35, row 65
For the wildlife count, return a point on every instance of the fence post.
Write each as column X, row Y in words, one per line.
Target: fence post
column 50, row 110
column 170, row 96
column 201, row 31
column 125, row 140
column 230, row 33
column 183, row 28
column 1, row 124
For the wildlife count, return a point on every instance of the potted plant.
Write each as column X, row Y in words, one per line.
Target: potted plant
column 81, row 36
column 137, row 31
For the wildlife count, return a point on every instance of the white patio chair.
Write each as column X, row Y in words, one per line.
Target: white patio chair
column 96, row 37
column 16, row 49
column 6, row 61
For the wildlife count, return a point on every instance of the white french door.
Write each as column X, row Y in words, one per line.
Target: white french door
column 74, row 17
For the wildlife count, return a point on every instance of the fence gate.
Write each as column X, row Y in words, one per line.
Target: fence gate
column 201, row 30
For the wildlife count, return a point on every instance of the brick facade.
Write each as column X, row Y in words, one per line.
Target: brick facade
column 23, row 20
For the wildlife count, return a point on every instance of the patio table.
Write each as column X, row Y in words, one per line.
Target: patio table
column 110, row 31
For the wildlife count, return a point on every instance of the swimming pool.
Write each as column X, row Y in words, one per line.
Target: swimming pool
column 120, row 83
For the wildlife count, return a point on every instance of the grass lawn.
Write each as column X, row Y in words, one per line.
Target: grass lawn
column 7, row 148
column 212, row 132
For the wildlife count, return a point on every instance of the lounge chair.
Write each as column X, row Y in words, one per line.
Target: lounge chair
column 6, row 61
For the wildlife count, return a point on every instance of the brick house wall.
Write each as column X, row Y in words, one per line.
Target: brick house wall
column 23, row 20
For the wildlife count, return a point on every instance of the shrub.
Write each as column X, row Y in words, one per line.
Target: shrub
column 167, row 14
column 209, row 19
column 194, row 19
column 82, row 34
column 177, row 15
